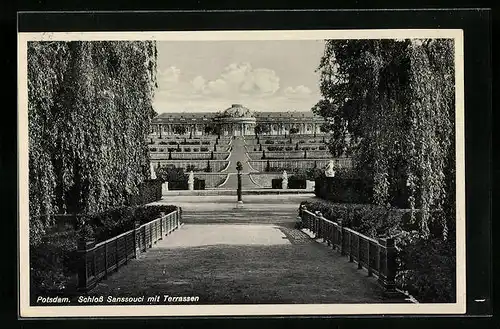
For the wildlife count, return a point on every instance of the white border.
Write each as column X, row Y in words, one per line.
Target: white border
column 25, row 310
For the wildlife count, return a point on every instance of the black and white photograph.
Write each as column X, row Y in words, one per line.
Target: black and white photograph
column 241, row 172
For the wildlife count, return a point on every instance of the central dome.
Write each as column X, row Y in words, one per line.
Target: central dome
column 237, row 111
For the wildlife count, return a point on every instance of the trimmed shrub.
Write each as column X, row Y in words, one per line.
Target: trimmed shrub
column 343, row 190
column 276, row 183
column 199, row 184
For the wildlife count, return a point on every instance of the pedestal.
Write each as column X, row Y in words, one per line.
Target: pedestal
column 310, row 184
column 164, row 188
column 191, row 186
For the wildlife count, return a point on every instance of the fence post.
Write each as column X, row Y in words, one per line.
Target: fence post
column 359, row 253
column 178, row 217
column 322, row 226
column 305, row 219
column 162, row 214
column 350, row 247
column 341, row 236
column 388, row 275
column 86, row 268
column 317, row 233
column 368, row 266
column 137, row 238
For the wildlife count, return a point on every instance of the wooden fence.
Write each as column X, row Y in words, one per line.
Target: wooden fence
column 377, row 256
column 97, row 261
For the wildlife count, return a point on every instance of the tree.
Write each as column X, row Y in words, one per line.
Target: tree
column 87, row 136
column 262, row 129
column 294, row 130
column 391, row 103
column 212, row 128
column 153, row 113
column 180, row 129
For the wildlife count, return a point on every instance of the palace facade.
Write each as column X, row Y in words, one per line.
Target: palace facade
column 236, row 121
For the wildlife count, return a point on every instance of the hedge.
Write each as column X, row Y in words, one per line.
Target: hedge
column 343, row 189
column 293, row 183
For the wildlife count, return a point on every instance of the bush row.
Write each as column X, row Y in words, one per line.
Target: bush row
column 290, row 141
column 292, row 148
column 185, row 149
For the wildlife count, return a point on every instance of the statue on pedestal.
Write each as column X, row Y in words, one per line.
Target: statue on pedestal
column 329, row 172
column 153, row 172
column 285, row 180
column 191, row 181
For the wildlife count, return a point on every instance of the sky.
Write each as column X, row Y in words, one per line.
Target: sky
column 200, row 76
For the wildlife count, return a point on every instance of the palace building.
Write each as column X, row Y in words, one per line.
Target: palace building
column 236, row 121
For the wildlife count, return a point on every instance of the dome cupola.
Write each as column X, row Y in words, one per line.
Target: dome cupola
column 237, row 111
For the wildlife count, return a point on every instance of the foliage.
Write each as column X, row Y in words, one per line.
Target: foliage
column 307, row 174
column 89, row 111
column 180, row 129
column 294, row 130
column 171, row 174
column 262, row 129
column 391, row 104
column 427, row 269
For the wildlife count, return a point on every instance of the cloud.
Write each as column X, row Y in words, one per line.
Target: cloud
column 216, row 87
column 297, row 92
column 238, row 79
column 198, row 83
column 169, row 78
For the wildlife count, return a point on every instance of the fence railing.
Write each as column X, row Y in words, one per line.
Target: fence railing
column 278, row 165
column 189, row 155
column 97, row 261
column 261, row 155
column 195, row 165
column 377, row 256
